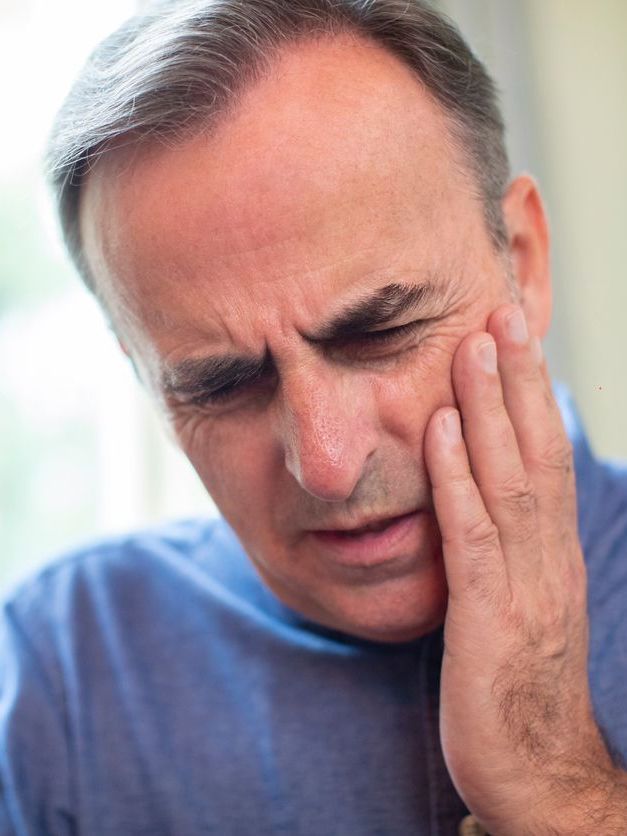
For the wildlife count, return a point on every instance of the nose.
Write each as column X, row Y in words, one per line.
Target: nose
column 328, row 432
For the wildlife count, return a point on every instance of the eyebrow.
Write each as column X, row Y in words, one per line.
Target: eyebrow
column 376, row 309
column 198, row 377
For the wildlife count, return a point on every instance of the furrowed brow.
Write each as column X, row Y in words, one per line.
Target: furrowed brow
column 204, row 375
column 379, row 308
column 210, row 374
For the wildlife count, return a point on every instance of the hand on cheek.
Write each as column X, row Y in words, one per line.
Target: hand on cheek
column 516, row 720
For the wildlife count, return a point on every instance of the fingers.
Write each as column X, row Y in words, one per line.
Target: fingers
column 544, row 446
column 470, row 540
column 506, row 489
column 494, row 454
column 492, row 444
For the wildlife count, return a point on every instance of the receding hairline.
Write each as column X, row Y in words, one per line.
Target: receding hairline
column 120, row 154
column 124, row 149
column 177, row 68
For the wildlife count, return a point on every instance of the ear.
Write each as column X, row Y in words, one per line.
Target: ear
column 528, row 235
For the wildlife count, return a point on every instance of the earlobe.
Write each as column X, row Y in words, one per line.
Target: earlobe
column 528, row 234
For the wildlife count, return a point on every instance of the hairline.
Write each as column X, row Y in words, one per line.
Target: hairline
column 125, row 148
column 82, row 138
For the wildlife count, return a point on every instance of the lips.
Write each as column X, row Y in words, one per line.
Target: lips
column 372, row 527
column 374, row 542
column 376, row 524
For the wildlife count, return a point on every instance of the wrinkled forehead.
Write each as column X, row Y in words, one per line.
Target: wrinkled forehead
column 336, row 157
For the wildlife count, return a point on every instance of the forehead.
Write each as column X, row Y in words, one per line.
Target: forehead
column 337, row 161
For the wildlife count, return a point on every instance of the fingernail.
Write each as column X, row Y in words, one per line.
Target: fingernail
column 487, row 356
column 517, row 327
column 451, row 426
column 536, row 350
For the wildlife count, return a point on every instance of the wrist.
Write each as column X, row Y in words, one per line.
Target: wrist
column 572, row 796
column 594, row 802
column 590, row 800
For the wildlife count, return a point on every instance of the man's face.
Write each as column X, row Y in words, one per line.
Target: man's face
column 294, row 289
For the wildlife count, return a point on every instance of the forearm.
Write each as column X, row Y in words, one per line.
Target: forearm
column 575, row 806
column 598, row 805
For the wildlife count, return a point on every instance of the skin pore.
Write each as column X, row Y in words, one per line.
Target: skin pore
column 249, row 274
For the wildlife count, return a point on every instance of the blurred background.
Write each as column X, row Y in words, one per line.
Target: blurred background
column 81, row 453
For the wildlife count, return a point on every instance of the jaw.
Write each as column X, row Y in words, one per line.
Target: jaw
column 395, row 603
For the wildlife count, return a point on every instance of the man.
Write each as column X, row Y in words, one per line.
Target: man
column 299, row 219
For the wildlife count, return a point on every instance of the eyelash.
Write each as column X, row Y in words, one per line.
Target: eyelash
column 388, row 333
column 224, row 394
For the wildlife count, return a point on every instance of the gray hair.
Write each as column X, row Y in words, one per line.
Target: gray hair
column 178, row 66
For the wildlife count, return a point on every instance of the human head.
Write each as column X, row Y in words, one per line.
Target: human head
column 180, row 66
column 337, row 177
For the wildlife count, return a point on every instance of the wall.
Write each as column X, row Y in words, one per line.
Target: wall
column 562, row 68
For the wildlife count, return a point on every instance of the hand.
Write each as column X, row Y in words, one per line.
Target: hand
column 516, row 720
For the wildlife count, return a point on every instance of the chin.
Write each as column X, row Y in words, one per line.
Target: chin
column 391, row 628
column 393, row 612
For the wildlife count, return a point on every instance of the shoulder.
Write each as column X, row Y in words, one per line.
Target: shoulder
column 601, row 495
column 602, row 517
column 123, row 575
column 71, row 636
column 605, row 550
column 107, row 603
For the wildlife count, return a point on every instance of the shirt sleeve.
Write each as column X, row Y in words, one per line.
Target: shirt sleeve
column 35, row 793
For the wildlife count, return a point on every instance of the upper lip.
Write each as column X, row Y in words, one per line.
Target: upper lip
column 365, row 523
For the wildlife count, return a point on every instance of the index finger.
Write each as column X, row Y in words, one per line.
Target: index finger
column 544, row 445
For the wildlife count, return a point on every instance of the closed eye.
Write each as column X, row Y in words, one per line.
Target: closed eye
column 375, row 346
column 372, row 341
column 368, row 346
column 259, row 383
column 388, row 333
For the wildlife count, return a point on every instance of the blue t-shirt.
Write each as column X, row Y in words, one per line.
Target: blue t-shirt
column 152, row 685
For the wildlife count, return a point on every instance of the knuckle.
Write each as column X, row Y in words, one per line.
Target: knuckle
column 481, row 537
column 493, row 408
column 518, row 497
column 480, row 543
column 557, row 456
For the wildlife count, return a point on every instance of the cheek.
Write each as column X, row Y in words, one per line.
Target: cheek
column 409, row 396
column 235, row 462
